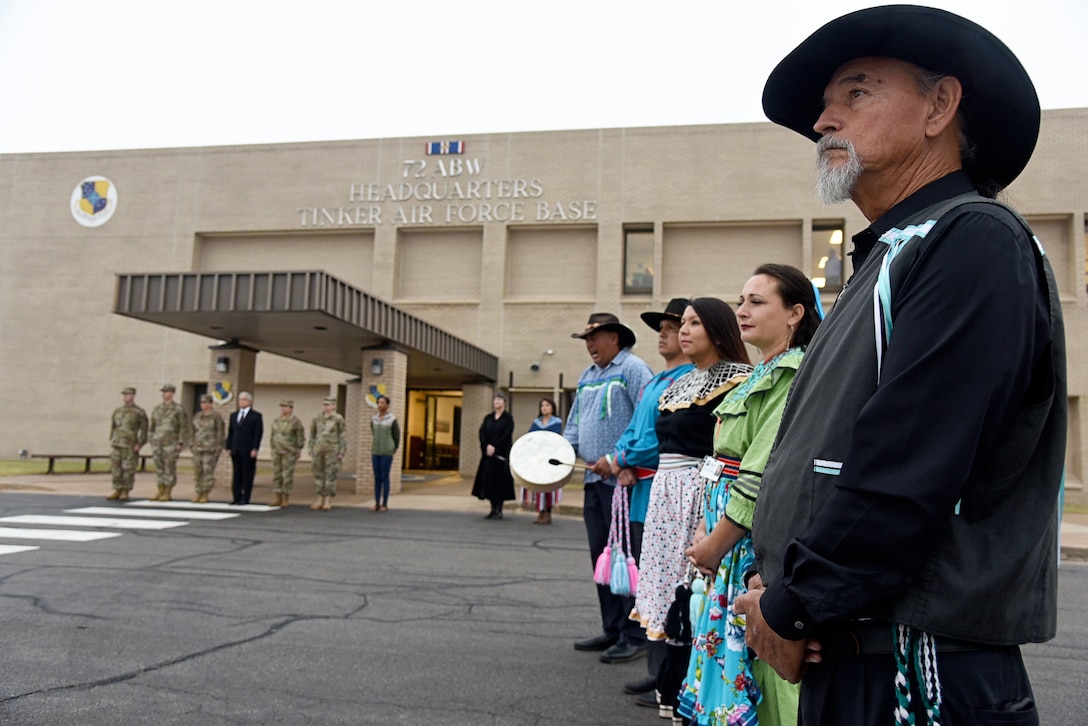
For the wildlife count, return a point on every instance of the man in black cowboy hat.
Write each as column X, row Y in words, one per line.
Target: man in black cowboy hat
column 906, row 535
column 634, row 458
column 608, row 391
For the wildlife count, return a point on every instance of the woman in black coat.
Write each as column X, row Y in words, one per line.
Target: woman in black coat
column 493, row 480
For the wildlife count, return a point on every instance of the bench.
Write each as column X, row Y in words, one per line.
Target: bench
column 86, row 460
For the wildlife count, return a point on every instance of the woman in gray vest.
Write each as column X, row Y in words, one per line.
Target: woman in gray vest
column 385, row 434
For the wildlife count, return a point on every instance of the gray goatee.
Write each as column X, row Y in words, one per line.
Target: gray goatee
column 835, row 184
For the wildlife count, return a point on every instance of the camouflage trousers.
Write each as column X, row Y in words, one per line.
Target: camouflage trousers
column 283, row 471
column 326, row 466
column 165, row 457
column 204, row 463
column 123, row 460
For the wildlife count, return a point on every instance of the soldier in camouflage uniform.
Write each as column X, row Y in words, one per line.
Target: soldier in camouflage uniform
column 328, row 444
column 169, row 432
column 209, row 433
column 128, row 432
column 288, row 438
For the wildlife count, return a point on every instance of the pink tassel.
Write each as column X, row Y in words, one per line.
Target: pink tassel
column 632, row 575
column 602, row 573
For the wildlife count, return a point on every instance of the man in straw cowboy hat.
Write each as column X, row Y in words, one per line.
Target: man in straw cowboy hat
column 608, row 391
column 906, row 535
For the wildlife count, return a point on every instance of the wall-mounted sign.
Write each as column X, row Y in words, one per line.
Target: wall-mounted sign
column 447, row 190
column 441, row 148
column 94, row 200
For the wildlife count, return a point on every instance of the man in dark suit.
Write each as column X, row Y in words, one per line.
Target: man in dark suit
column 243, row 440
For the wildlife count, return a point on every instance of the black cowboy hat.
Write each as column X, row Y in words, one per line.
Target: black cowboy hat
column 1000, row 107
column 673, row 311
column 607, row 321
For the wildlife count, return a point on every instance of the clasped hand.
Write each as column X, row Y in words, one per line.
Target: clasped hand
column 789, row 658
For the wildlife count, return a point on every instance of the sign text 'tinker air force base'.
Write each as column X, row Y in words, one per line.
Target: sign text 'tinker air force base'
column 447, row 190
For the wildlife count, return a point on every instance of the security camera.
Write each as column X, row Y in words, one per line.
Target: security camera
column 535, row 367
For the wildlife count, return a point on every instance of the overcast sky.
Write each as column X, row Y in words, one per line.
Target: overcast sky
column 129, row 74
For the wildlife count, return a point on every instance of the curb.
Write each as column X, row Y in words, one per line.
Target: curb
column 1074, row 553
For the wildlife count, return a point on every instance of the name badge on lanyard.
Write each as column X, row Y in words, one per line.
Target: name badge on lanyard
column 711, row 468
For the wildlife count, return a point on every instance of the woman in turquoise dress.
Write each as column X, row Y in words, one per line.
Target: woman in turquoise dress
column 544, row 502
column 778, row 315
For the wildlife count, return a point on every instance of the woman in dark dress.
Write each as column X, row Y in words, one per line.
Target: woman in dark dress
column 493, row 480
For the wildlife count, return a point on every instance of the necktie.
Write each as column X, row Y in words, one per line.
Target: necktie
column 241, row 415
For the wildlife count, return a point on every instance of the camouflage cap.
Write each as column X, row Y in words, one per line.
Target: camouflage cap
column 168, row 387
column 329, row 399
column 128, row 389
column 288, row 403
column 207, row 398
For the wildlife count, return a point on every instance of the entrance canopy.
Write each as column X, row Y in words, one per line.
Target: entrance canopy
column 308, row 316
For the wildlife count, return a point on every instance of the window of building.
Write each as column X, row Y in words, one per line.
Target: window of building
column 827, row 257
column 638, row 260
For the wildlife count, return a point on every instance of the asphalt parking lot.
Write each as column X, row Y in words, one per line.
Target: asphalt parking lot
column 433, row 616
column 297, row 617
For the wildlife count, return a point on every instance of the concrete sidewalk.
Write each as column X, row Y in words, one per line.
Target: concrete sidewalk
column 432, row 490
column 425, row 490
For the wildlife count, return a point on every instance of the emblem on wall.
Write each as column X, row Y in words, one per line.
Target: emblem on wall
column 222, row 393
column 373, row 393
column 94, row 200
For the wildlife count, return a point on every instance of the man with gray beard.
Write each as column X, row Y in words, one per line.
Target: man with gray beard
column 835, row 183
column 906, row 536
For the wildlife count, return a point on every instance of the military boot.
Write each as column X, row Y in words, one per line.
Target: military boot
column 115, row 495
column 318, row 504
column 196, row 498
column 276, row 500
column 203, row 498
column 326, row 503
column 165, row 496
column 284, row 501
column 158, row 493
column 123, row 497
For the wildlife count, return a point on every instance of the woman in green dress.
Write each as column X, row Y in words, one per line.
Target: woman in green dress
column 778, row 315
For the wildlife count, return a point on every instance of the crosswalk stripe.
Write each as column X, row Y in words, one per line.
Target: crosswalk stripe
column 112, row 523
column 210, row 506
column 146, row 514
column 60, row 535
column 161, row 513
column 15, row 549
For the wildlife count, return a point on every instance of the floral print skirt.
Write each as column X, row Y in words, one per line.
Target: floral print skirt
column 720, row 688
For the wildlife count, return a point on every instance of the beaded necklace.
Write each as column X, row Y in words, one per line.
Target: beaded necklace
column 761, row 371
column 697, row 386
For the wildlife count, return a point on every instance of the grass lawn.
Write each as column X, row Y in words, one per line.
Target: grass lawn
column 15, row 467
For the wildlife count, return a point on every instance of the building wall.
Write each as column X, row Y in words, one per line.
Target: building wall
column 510, row 246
